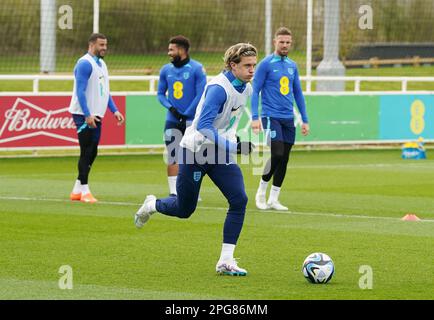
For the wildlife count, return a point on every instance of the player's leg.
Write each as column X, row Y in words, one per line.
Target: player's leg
column 85, row 141
column 172, row 137
column 93, row 147
column 182, row 205
column 280, row 173
column 229, row 179
column 273, row 131
column 91, row 151
column 288, row 137
column 80, row 124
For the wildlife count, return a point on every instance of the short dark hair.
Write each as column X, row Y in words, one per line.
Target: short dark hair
column 180, row 41
column 95, row 36
column 282, row 31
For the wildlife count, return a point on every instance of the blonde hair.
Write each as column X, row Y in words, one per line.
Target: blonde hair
column 237, row 51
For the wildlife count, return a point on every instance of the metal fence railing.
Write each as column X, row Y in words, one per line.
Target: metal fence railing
column 153, row 81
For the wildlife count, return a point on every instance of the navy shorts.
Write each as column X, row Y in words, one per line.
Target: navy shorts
column 277, row 129
column 82, row 127
column 173, row 133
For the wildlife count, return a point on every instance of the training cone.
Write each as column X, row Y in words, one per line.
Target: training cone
column 410, row 217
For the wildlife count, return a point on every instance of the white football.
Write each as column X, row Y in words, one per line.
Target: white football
column 318, row 268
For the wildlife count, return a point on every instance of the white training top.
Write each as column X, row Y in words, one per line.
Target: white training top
column 226, row 121
column 97, row 91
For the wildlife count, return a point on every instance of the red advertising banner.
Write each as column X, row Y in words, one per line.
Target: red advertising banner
column 44, row 121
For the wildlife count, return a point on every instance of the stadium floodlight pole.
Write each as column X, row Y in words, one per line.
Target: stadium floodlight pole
column 47, row 50
column 309, row 45
column 268, row 32
column 95, row 16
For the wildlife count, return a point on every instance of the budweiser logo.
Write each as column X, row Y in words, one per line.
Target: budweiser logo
column 25, row 120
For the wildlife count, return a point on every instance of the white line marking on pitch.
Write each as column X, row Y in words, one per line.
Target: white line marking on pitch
column 321, row 214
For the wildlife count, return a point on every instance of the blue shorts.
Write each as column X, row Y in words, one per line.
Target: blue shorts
column 277, row 129
column 173, row 133
column 83, row 128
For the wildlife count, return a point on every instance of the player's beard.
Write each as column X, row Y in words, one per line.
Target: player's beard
column 284, row 53
column 176, row 59
column 178, row 63
column 98, row 54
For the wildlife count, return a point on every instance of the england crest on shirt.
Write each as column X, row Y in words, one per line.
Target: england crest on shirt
column 291, row 71
column 186, row 75
column 197, row 175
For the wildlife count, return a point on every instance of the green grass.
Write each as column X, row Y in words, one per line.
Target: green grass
column 347, row 204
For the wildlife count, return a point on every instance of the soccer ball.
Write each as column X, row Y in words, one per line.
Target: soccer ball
column 318, row 268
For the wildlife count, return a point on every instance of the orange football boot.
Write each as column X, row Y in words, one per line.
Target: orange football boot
column 75, row 196
column 88, row 198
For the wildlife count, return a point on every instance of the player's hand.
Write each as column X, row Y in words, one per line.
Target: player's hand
column 305, row 129
column 256, row 126
column 245, row 147
column 177, row 115
column 92, row 120
column 119, row 117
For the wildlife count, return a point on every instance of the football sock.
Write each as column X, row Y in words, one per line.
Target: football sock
column 85, row 189
column 263, row 187
column 274, row 194
column 172, row 184
column 227, row 252
column 77, row 187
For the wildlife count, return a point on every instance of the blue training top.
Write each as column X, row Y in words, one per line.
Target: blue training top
column 82, row 72
column 185, row 86
column 276, row 78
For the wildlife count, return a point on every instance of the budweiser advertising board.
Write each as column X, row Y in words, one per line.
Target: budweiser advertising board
column 44, row 121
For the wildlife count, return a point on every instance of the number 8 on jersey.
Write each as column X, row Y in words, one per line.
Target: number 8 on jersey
column 177, row 90
column 284, row 85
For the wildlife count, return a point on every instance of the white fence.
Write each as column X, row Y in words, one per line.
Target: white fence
column 153, row 80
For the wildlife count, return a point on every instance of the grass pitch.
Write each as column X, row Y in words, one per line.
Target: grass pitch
column 347, row 204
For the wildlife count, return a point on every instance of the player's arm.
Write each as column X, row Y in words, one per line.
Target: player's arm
column 161, row 94
column 82, row 73
column 200, row 83
column 215, row 98
column 258, row 83
column 162, row 89
column 301, row 105
column 115, row 111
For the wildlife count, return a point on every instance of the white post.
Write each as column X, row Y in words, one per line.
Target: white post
column 36, row 85
column 404, row 85
column 330, row 65
column 268, row 32
column 152, row 85
column 357, row 85
column 47, row 51
column 95, row 16
column 309, row 45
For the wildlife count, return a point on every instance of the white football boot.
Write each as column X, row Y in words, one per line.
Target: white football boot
column 145, row 211
column 276, row 205
column 261, row 202
column 230, row 268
